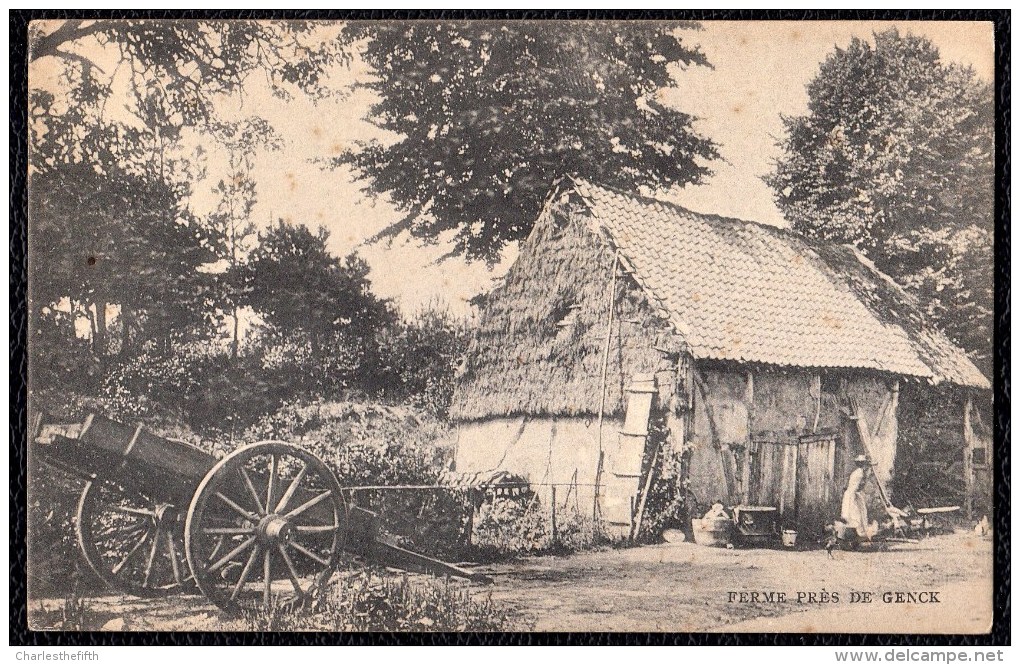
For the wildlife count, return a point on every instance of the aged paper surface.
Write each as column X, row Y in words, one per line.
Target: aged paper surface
column 511, row 326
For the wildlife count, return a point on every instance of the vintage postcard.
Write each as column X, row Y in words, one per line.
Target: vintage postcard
column 627, row 326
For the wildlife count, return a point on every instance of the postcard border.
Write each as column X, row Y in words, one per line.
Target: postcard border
column 21, row 635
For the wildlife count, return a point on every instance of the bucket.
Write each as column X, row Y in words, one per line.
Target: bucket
column 789, row 538
column 712, row 532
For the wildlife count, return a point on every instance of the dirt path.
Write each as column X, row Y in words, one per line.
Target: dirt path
column 687, row 588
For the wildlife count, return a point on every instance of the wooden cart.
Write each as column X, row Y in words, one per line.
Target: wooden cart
column 264, row 525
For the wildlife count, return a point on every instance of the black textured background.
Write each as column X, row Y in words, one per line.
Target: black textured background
column 21, row 635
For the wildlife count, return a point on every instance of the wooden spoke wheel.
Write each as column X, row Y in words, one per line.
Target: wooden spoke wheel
column 264, row 527
column 133, row 542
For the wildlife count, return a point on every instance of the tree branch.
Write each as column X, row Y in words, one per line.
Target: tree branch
column 87, row 64
column 68, row 31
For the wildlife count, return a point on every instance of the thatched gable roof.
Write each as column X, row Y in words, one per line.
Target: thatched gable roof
column 720, row 289
column 540, row 342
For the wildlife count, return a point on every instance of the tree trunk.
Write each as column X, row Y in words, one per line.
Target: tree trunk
column 99, row 340
column 235, row 343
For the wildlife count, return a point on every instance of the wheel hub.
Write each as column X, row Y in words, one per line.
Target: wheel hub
column 167, row 514
column 274, row 529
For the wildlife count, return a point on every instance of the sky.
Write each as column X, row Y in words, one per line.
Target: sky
column 760, row 70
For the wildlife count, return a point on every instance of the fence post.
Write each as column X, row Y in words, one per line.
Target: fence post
column 470, row 520
column 554, row 534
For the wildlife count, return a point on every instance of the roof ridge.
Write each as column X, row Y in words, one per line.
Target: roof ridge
column 641, row 198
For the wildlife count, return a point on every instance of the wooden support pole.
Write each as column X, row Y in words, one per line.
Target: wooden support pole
column 968, row 458
column 716, row 440
column 469, row 531
column 636, row 526
column 749, row 451
column 749, row 400
column 816, row 382
column 605, row 374
column 864, row 434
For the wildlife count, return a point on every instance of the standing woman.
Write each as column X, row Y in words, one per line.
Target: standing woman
column 854, row 510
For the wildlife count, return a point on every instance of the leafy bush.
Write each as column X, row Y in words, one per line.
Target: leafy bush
column 58, row 357
column 511, row 526
column 192, row 384
column 153, row 383
column 669, row 502
column 366, row 600
column 335, row 366
column 508, row 526
column 420, row 359
column 363, row 442
column 53, row 555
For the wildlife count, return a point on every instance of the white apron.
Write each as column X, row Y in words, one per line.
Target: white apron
column 854, row 510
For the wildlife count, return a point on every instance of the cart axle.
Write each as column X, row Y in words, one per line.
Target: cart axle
column 273, row 529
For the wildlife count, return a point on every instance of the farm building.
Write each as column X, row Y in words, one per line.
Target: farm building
column 632, row 336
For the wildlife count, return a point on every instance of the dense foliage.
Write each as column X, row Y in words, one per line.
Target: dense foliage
column 421, row 357
column 192, row 62
column 94, row 246
column 895, row 155
column 365, row 600
column 297, row 285
column 489, row 115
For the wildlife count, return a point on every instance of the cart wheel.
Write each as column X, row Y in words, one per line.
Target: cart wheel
column 133, row 542
column 264, row 527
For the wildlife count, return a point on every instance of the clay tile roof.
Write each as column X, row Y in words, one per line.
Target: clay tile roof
column 738, row 290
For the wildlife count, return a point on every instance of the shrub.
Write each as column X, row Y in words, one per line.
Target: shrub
column 58, row 357
column 420, row 359
column 510, row 526
column 366, row 600
column 53, row 555
column 364, row 443
column 669, row 502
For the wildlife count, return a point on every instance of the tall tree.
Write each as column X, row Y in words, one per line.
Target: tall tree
column 168, row 75
column 231, row 222
column 895, row 156
column 108, row 218
column 299, row 287
column 488, row 115
column 114, row 237
column 192, row 62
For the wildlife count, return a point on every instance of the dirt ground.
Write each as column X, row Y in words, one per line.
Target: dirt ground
column 688, row 588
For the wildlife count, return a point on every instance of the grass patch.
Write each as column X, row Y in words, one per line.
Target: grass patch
column 368, row 600
column 74, row 613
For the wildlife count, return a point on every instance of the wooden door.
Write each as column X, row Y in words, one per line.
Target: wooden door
column 817, row 495
column 773, row 473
